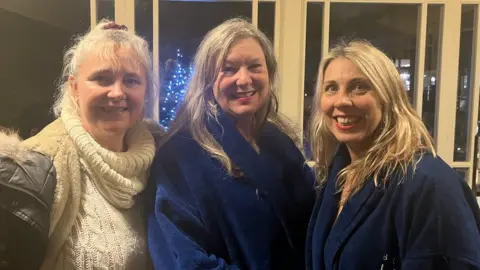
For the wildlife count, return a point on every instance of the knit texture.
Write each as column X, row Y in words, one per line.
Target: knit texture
column 95, row 190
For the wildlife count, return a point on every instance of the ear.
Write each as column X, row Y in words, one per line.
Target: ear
column 73, row 86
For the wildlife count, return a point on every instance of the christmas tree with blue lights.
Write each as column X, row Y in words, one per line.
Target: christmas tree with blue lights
column 174, row 88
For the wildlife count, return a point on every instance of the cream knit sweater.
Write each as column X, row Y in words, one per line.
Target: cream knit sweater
column 95, row 221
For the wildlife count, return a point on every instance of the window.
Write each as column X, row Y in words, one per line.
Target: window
column 434, row 14
column 390, row 27
column 313, row 51
column 463, row 86
column 38, row 33
column 266, row 19
column 105, row 10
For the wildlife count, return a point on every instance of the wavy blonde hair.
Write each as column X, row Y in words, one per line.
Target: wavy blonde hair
column 104, row 43
column 199, row 104
column 401, row 137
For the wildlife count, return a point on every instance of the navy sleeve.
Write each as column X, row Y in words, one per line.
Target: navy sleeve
column 439, row 223
column 177, row 238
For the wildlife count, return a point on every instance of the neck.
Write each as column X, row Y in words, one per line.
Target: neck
column 245, row 127
column 112, row 143
column 357, row 151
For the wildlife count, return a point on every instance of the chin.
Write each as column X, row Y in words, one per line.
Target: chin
column 350, row 138
column 242, row 111
column 116, row 127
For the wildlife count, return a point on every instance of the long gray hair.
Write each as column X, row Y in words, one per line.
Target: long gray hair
column 199, row 104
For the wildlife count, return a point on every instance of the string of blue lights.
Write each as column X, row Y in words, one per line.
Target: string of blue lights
column 174, row 89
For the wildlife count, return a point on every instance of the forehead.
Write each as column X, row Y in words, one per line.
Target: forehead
column 341, row 69
column 245, row 49
column 112, row 58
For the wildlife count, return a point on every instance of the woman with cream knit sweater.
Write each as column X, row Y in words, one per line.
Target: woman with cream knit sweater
column 102, row 151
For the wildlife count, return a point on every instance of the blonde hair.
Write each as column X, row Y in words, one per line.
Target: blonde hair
column 104, row 43
column 401, row 137
column 199, row 104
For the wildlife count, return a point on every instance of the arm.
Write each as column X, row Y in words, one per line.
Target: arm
column 177, row 238
column 440, row 225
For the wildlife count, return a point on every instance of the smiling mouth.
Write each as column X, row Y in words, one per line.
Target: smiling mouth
column 244, row 94
column 347, row 120
column 114, row 109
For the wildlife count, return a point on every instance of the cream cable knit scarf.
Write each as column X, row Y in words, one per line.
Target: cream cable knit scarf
column 117, row 176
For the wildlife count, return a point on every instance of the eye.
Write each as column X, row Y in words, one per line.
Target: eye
column 255, row 67
column 330, row 88
column 360, row 87
column 229, row 70
column 132, row 82
column 103, row 80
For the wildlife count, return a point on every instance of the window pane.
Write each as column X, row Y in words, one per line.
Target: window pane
column 313, row 50
column 266, row 19
column 31, row 58
column 432, row 45
column 105, row 10
column 144, row 20
column 464, row 80
column 179, row 39
column 390, row 27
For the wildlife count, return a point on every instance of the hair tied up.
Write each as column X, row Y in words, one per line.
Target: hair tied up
column 115, row 26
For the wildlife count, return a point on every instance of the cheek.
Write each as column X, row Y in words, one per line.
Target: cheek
column 374, row 116
column 221, row 92
column 378, row 117
column 87, row 102
column 137, row 100
column 88, row 96
column 223, row 86
column 325, row 106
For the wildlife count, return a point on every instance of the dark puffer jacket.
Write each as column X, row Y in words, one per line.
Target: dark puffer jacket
column 27, row 185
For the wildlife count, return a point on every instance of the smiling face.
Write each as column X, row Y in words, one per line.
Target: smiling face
column 242, row 86
column 350, row 105
column 110, row 96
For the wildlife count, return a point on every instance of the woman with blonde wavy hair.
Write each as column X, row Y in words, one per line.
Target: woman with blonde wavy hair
column 386, row 200
column 232, row 189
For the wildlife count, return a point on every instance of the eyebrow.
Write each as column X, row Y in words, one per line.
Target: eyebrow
column 250, row 60
column 132, row 74
column 356, row 79
column 111, row 71
column 359, row 79
column 103, row 70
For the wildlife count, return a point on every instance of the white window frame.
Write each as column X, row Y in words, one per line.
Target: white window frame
column 289, row 43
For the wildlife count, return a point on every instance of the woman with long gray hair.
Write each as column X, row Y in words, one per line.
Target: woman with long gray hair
column 102, row 150
column 232, row 188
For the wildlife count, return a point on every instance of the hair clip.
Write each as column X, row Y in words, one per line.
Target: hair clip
column 114, row 26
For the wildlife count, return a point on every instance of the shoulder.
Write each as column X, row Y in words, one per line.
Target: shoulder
column 179, row 156
column 433, row 178
column 432, row 173
column 49, row 139
column 26, row 169
column 12, row 148
column 437, row 203
column 157, row 131
column 181, row 144
column 274, row 138
column 178, row 168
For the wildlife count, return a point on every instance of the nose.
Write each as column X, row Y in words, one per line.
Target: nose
column 343, row 99
column 243, row 77
column 117, row 91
